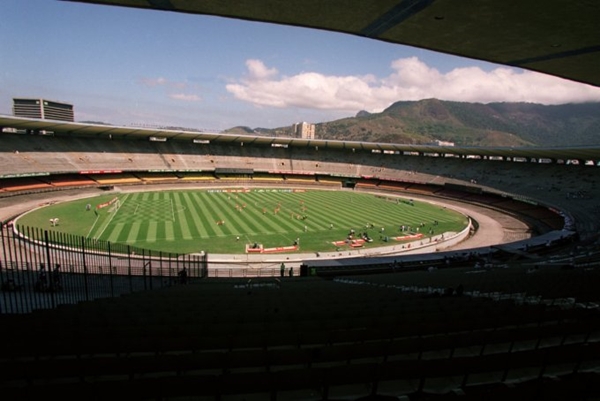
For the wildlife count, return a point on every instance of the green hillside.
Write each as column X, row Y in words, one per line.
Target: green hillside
column 466, row 124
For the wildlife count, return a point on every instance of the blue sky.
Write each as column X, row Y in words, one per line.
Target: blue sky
column 130, row 66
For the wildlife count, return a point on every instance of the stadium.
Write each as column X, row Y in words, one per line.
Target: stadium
column 507, row 308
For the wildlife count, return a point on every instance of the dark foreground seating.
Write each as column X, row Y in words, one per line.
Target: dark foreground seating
column 304, row 338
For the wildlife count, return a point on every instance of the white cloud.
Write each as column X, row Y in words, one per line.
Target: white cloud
column 185, row 97
column 167, row 86
column 160, row 81
column 258, row 71
column 151, row 82
column 410, row 79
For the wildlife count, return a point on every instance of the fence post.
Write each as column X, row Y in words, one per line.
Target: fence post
column 144, row 270
column 85, row 270
column 160, row 269
column 204, row 264
column 110, row 270
column 150, row 276
column 50, row 282
column 2, row 228
column 129, row 268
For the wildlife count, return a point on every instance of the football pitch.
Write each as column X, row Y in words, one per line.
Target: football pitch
column 227, row 220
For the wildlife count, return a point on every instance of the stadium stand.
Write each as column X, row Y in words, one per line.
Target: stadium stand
column 517, row 320
column 561, row 188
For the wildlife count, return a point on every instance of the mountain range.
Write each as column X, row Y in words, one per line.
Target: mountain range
column 464, row 124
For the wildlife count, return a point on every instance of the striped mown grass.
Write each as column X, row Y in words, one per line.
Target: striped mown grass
column 225, row 220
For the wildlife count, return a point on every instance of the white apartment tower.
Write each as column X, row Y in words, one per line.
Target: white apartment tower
column 304, row 130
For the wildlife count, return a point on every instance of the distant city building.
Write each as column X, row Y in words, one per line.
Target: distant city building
column 304, row 130
column 43, row 109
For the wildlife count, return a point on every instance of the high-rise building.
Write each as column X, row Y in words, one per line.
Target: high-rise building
column 304, row 130
column 44, row 109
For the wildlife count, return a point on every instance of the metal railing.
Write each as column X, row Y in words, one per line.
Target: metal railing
column 41, row 269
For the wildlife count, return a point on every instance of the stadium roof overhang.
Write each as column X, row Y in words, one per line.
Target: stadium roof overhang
column 63, row 128
column 556, row 37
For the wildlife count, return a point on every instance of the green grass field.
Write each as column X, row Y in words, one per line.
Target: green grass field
column 188, row 221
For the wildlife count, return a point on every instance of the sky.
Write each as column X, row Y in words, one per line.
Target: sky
column 128, row 66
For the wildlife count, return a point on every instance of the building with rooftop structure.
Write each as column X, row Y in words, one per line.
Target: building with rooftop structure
column 43, row 108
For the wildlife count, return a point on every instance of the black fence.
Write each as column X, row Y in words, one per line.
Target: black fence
column 41, row 269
